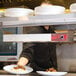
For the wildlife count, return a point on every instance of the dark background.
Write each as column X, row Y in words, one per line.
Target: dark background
column 33, row 3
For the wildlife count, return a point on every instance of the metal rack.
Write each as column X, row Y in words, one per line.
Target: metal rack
column 60, row 19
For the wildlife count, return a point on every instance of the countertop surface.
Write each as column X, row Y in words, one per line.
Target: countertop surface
column 4, row 73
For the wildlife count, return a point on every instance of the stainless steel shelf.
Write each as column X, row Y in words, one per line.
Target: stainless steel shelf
column 61, row 19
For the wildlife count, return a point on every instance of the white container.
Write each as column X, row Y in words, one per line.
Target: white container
column 17, row 12
column 49, row 10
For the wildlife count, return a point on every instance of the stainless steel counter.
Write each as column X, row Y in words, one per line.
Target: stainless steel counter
column 60, row 19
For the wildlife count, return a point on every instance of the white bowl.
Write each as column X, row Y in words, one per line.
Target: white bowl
column 16, row 12
column 49, row 10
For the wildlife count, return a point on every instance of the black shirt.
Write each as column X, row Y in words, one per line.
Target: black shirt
column 42, row 55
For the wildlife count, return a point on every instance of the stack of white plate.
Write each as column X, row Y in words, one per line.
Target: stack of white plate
column 49, row 10
column 73, row 7
column 17, row 12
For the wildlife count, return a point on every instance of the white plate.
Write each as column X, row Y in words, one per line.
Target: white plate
column 9, row 68
column 51, row 73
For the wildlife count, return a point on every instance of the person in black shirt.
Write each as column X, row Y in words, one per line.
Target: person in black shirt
column 40, row 55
